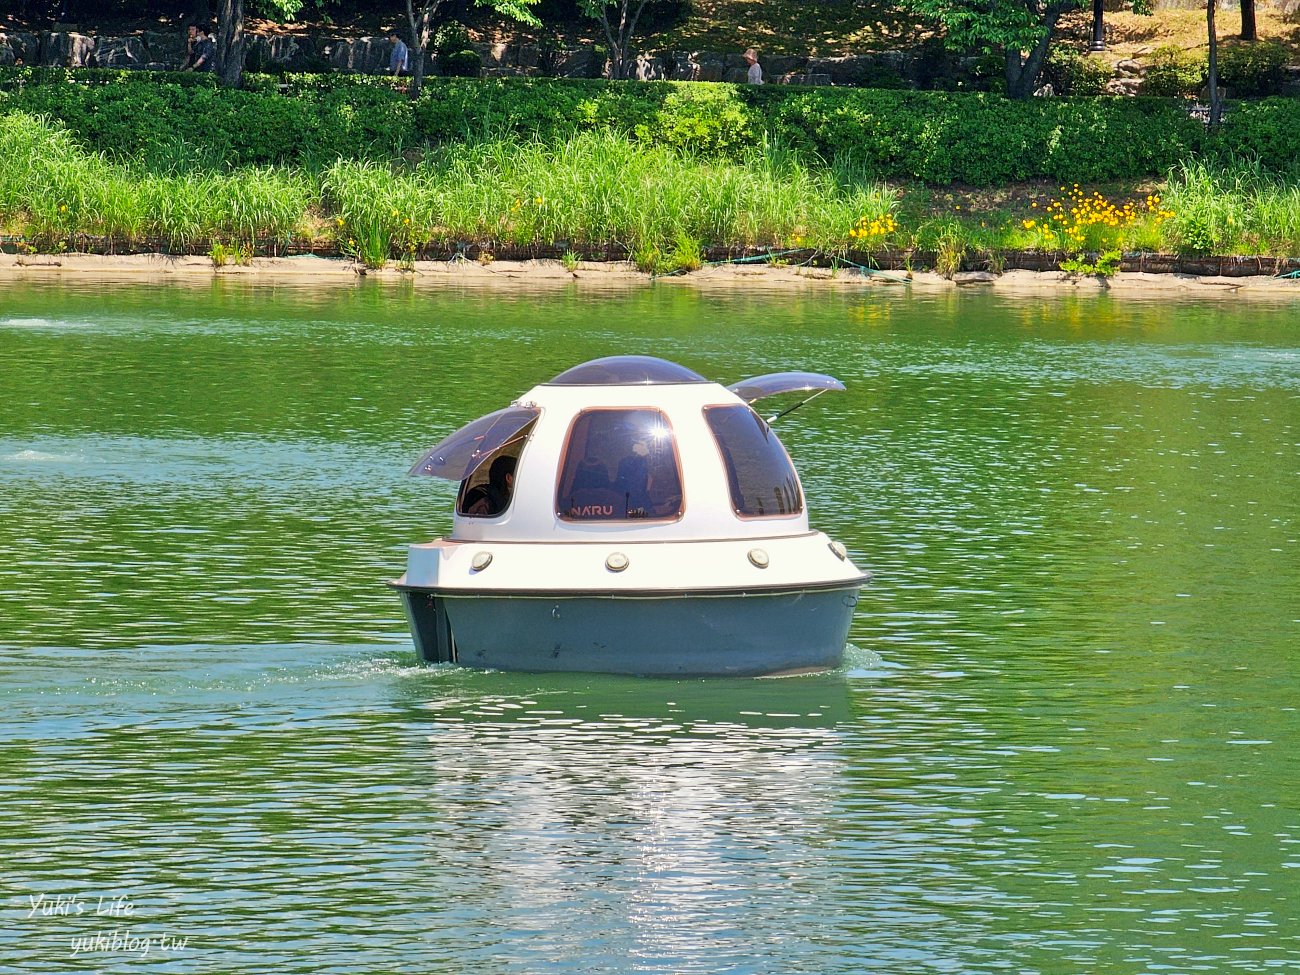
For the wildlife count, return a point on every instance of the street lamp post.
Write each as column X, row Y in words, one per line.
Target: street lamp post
column 1098, row 28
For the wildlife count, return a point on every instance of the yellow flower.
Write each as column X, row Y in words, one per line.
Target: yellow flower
column 539, row 200
column 1029, row 224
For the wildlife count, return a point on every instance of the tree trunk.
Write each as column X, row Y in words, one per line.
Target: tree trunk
column 1215, row 107
column 230, row 42
column 1022, row 75
column 421, row 25
column 619, row 36
column 630, row 23
column 615, row 46
column 417, row 71
column 1248, row 32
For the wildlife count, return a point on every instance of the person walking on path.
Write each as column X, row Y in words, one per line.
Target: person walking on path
column 399, row 62
column 755, row 69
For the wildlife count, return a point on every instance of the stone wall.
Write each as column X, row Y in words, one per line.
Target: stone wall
column 150, row 50
column 369, row 55
column 157, row 51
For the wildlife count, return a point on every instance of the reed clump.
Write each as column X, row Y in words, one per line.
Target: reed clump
column 598, row 189
column 53, row 190
column 1234, row 208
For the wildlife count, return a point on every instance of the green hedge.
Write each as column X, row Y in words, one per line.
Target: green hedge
column 983, row 139
column 187, row 126
column 17, row 77
column 937, row 137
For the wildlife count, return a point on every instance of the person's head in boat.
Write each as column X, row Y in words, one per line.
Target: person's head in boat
column 501, row 482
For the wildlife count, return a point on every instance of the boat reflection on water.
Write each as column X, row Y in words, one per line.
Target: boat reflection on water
column 662, row 808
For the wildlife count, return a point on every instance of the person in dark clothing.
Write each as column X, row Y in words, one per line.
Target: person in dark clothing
column 486, row 501
column 205, row 52
column 191, row 41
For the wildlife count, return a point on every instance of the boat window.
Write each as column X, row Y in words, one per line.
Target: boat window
column 760, row 387
column 760, row 475
column 618, row 465
column 489, row 488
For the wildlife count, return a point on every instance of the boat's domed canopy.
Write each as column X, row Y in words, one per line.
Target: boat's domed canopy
column 627, row 370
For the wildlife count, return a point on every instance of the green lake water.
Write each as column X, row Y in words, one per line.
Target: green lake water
column 1064, row 739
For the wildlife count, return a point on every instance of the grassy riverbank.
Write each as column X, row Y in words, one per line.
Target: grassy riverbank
column 660, row 207
column 658, row 174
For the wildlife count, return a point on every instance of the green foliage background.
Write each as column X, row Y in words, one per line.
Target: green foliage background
column 181, row 122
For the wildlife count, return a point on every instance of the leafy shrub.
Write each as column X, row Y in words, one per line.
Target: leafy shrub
column 166, row 127
column 988, row 72
column 1074, row 74
column 295, row 84
column 281, row 10
column 1267, row 131
column 551, row 109
column 704, row 117
column 455, row 55
column 39, row 75
column 1174, row 73
column 450, row 37
column 1193, row 234
column 461, row 64
column 1106, row 265
column 935, row 67
column 1253, row 69
column 1117, row 138
column 983, row 139
column 363, row 122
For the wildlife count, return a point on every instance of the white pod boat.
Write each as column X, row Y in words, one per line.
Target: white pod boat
column 631, row 517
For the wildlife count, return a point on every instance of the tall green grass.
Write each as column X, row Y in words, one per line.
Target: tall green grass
column 589, row 194
column 1235, row 208
column 51, row 189
column 598, row 189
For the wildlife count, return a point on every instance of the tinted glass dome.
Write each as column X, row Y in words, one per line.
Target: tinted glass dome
column 626, row 370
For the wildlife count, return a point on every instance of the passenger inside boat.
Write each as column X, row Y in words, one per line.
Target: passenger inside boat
column 490, row 499
column 637, row 445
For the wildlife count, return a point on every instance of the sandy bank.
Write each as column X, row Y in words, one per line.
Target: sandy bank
column 623, row 274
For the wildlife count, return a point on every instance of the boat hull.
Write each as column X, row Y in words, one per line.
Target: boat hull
column 740, row 633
